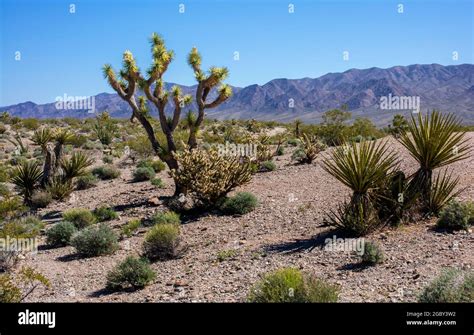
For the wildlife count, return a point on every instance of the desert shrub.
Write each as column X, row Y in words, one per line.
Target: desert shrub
column 363, row 168
column 31, row 124
column 86, row 181
column 5, row 173
column 309, row 149
column 291, row 285
column 162, row 241
column 208, row 175
column 157, row 182
column 78, row 141
column 169, row 217
column 130, row 227
column 456, row 215
column 108, row 159
column 143, row 173
column 79, row 217
column 226, row 254
column 399, row 126
column 59, row 188
column 450, row 287
column 26, row 178
column 3, row 129
column 10, row 207
column 294, row 142
column 156, row 164
column 434, row 141
column 267, row 166
column 132, row 272
column 105, row 213
column 60, row 234
column 75, row 165
column 280, row 151
column 27, row 227
column 95, row 241
column 373, row 254
column 241, row 203
column 17, row 289
column 41, row 199
column 106, row 172
column 4, row 190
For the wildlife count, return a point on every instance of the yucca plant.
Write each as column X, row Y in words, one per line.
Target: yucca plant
column 42, row 137
column 434, row 140
column 26, row 178
column 310, row 147
column 442, row 192
column 18, row 143
column 363, row 168
column 76, row 165
column 59, row 187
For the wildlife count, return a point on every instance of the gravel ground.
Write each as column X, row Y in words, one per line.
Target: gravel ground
column 285, row 230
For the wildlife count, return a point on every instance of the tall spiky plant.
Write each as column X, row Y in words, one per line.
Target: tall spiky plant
column 75, row 166
column 434, row 140
column 26, row 178
column 363, row 168
column 42, row 137
column 130, row 79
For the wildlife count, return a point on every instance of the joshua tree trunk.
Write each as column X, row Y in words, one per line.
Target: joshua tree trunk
column 50, row 164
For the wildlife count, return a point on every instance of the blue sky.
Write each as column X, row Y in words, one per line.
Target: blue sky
column 62, row 53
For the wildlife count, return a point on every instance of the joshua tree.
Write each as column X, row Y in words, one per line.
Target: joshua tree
column 153, row 86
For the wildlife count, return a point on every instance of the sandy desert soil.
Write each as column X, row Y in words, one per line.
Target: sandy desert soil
column 285, row 230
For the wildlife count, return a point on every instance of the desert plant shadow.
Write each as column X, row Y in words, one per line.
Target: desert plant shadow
column 301, row 245
column 106, row 291
column 52, row 216
column 69, row 257
column 355, row 267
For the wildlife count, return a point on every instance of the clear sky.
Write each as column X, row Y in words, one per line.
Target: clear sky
column 63, row 52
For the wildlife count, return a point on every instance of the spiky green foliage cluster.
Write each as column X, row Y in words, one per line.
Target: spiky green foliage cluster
column 209, row 176
column 290, row 285
column 26, row 178
column 456, row 215
column 309, row 149
column 104, row 128
column 363, row 168
column 434, row 141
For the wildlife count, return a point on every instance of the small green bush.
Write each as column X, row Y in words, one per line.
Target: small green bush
column 267, row 166
column 108, row 159
column 280, row 151
column 293, row 142
column 224, row 255
column 87, row 181
column 143, row 173
column 79, row 217
column 456, row 215
column 28, row 227
column 41, row 199
column 105, row 213
column 106, row 172
column 155, row 164
column 131, row 226
column 166, row 217
column 95, row 241
column 162, row 241
column 59, row 188
column 132, row 272
column 60, row 234
column 291, row 285
column 373, row 254
column 450, row 287
column 157, row 182
column 241, row 203
column 4, row 190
